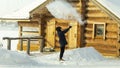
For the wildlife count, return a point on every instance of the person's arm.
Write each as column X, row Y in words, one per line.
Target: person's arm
column 66, row 30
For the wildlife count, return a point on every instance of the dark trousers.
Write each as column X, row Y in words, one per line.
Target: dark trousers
column 62, row 49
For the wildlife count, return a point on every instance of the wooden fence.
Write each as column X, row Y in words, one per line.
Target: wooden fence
column 21, row 42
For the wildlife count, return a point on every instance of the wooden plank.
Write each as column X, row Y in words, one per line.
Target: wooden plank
column 15, row 38
column 28, row 23
column 50, row 35
column 73, row 35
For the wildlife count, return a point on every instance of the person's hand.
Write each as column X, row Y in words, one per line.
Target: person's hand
column 70, row 26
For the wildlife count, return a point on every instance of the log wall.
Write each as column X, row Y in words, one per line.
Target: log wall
column 109, row 45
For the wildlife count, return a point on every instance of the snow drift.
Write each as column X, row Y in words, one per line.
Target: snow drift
column 77, row 56
column 84, row 54
column 73, row 57
column 12, row 58
column 80, row 57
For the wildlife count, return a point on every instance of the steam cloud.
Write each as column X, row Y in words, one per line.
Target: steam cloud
column 63, row 10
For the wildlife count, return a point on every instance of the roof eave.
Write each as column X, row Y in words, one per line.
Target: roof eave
column 14, row 19
column 41, row 5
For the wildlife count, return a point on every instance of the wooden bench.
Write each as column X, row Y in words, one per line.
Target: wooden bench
column 21, row 42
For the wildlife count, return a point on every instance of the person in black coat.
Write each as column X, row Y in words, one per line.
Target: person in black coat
column 62, row 40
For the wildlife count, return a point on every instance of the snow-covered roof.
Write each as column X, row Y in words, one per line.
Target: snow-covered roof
column 24, row 12
column 111, row 5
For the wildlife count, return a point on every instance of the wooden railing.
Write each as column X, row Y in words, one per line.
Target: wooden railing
column 21, row 42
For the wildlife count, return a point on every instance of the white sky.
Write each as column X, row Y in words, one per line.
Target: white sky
column 8, row 6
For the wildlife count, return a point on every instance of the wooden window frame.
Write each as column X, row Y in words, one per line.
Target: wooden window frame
column 97, row 23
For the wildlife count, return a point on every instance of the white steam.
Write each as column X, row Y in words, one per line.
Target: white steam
column 63, row 10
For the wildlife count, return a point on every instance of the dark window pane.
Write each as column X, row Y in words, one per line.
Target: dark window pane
column 99, row 30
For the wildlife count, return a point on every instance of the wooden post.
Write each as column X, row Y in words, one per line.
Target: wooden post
column 21, row 44
column 28, row 46
column 117, row 48
column 20, row 30
column 83, row 9
column 8, row 44
column 41, row 45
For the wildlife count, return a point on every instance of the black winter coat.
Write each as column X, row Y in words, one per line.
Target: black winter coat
column 61, row 35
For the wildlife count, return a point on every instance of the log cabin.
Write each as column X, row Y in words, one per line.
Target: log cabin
column 101, row 30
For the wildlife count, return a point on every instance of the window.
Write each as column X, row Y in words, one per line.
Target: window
column 99, row 30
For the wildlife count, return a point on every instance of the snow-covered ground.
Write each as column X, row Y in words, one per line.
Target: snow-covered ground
column 78, row 58
column 86, row 57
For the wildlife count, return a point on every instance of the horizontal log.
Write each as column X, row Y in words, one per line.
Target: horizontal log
column 88, row 35
column 105, row 47
column 90, row 4
column 112, row 35
column 101, row 42
column 88, row 32
column 95, row 19
column 89, row 25
column 89, row 29
column 109, row 54
column 112, row 28
column 96, row 15
column 92, row 8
